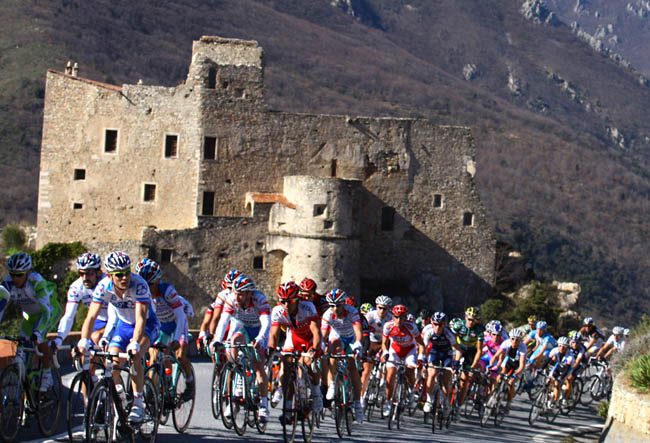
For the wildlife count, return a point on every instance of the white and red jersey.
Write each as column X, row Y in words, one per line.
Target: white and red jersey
column 376, row 324
column 218, row 301
column 402, row 339
column 254, row 316
column 298, row 325
column 343, row 326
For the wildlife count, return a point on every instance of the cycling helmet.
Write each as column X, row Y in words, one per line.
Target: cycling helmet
column 365, row 308
column 231, row 276
column 472, row 312
column 439, row 317
column 425, row 314
column 532, row 319
column 243, row 283
column 88, row 260
column 117, row 261
column 308, row 285
column 384, row 301
column 459, row 327
column 516, row 333
column 288, row 291
column 456, row 323
column 497, row 327
column 626, row 332
column 575, row 336
column 618, row 330
column 19, row 262
column 400, row 310
column 563, row 341
column 149, row 270
column 336, row 297
column 588, row 321
column 541, row 324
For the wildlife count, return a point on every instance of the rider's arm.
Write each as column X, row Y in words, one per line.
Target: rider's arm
column 478, row 355
column 224, row 320
column 497, row 357
column 273, row 338
column 315, row 331
column 214, row 321
column 357, row 332
column 181, row 318
column 65, row 324
column 141, row 310
column 5, row 296
column 265, row 321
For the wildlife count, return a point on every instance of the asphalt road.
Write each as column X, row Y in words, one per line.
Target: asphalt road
column 583, row 425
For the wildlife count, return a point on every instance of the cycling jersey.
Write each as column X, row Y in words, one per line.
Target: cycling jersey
column 37, row 299
column 376, row 324
column 78, row 293
column 170, row 311
column 138, row 292
column 438, row 347
column 512, row 354
column 617, row 344
column 562, row 362
column 402, row 339
column 187, row 307
column 298, row 330
column 467, row 338
column 340, row 327
column 219, row 300
column 545, row 340
column 254, row 318
column 594, row 334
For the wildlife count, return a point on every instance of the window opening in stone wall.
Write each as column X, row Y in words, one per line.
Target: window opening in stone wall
column 328, row 224
column 333, row 168
column 212, row 78
column 258, row 262
column 171, row 146
column 79, row 174
column 166, row 255
column 239, row 93
column 437, row 201
column 77, row 206
column 468, row 219
column 209, row 148
column 387, row 218
column 149, row 192
column 319, row 210
column 208, row 203
column 224, row 85
column 110, row 140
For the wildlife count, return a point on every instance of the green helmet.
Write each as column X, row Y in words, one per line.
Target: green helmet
column 365, row 308
column 457, row 325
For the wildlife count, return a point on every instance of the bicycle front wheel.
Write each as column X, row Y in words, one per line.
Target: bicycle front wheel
column 340, row 407
column 11, row 406
column 100, row 415
column 290, row 406
column 50, row 404
column 184, row 397
column 148, row 430
column 490, row 407
column 537, row 407
column 395, row 406
column 80, row 389
column 224, row 395
column 215, row 390
column 238, row 403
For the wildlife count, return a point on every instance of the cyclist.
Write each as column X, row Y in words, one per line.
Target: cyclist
column 308, row 292
column 376, row 320
column 492, row 340
column 531, row 325
column 41, row 309
column 544, row 342
column 581, row 356
column 423, row 319
column 401, row 343
column 469, row 335
column 441, row 350
column 303, row 334
column 246, row 313
column 562, row 360
column 365, row 308
column 614, row 343
column 594, row 336
column 137, row 323
column 218, row 304
column 170, row 311
column 511, row 356
column 341, row 329
column 81, row 291
column 491, row 326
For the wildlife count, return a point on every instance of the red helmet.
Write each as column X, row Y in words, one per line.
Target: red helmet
column 288, row 291
column 224, row 285
column 308, row 285
column 400, row 310
column 350, row 301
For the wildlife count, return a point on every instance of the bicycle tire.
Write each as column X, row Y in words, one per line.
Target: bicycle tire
column 148, row 429
column 394, row 416
column 537, row 407
column 596, row 387
column 50, row 403
column 156, row 374
column 307, row 422
column 100, row 412
column 183, row 406
column 471, row 400
column 214, row 391
column 414, row 397
column 224, row 394
column 490, row 406
column 80, row 389
column 290, row 409
column 12, row 405
column 339, row 405
column 434, row 407
column 554, row 410
column 238, row 402
column 370, row 397
column 502, row 401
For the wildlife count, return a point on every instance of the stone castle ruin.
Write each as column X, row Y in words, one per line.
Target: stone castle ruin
column 203, row 177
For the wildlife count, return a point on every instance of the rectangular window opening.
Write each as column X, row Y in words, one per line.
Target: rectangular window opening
column 77, row 206
column 166, row 255
column 387, row 218
column 149, row 192
column 208, row 203
column 79, row 174
column 110, row 140
column 209, row 148
column 437, row 201
column 212, row 78
column 258, row 262
column 171, row 146
column 333, row 168
column 328, row 224
column 319, row 210
column 468, row 219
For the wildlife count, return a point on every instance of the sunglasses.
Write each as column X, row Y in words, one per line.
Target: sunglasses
column 382, row 308
column 471, row 319
column 285, row 301
column 82, row 273
column 121, row 274
column 334, row 305
column 436, row 324
column 18, row 274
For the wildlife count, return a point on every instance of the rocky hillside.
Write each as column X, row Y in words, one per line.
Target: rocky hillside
column 561, row 129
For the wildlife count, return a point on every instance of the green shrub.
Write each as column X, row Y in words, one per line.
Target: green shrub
column 603, row 409
column 540, row 302
column 14, row 239
column 493, row 309
column 638, row 372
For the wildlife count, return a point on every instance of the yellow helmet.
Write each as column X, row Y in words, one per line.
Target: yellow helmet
column 532, row 319
column 472, row 312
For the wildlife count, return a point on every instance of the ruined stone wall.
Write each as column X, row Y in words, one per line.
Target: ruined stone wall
column 108, row 203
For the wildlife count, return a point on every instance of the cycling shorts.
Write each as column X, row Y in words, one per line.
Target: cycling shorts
column 124, row 333
column 440, row 358
column 294, row 342
column 409, row 358
column 99, row 324
column 469, row 355
column 239, row 329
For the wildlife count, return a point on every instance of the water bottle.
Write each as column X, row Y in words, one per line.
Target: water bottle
column 121, row 394
column 20, row 359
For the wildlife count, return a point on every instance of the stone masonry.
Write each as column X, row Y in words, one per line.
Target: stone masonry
column 204, row 178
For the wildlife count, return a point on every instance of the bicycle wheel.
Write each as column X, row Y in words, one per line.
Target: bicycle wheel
column 155, row 373
column 224, row 395
column 394, row 416
column 502, row 401
column 596, row 387
column 490, row 407
column 100, row 415
column 238, row 403
column 290, row 406
column 50, row 404
column 370, row 396
column 537, row 407
column 80, row 388
column 414, row 397
column 552, row 407
column 183, row 398
column 148, row 430
column 339, row 409
column 11, row 404
column 214, row 392
column 471, row 400
column 537, row 384
column 434, row 407
column 305, row 404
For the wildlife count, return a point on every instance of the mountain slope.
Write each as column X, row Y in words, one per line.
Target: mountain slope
column 562, row 138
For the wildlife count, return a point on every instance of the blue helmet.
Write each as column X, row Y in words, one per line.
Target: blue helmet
column 149, row 270
column 117, row 261
column 541, row 324
column 88, row 260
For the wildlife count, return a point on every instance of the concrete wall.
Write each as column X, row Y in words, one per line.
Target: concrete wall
column 628, row 417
